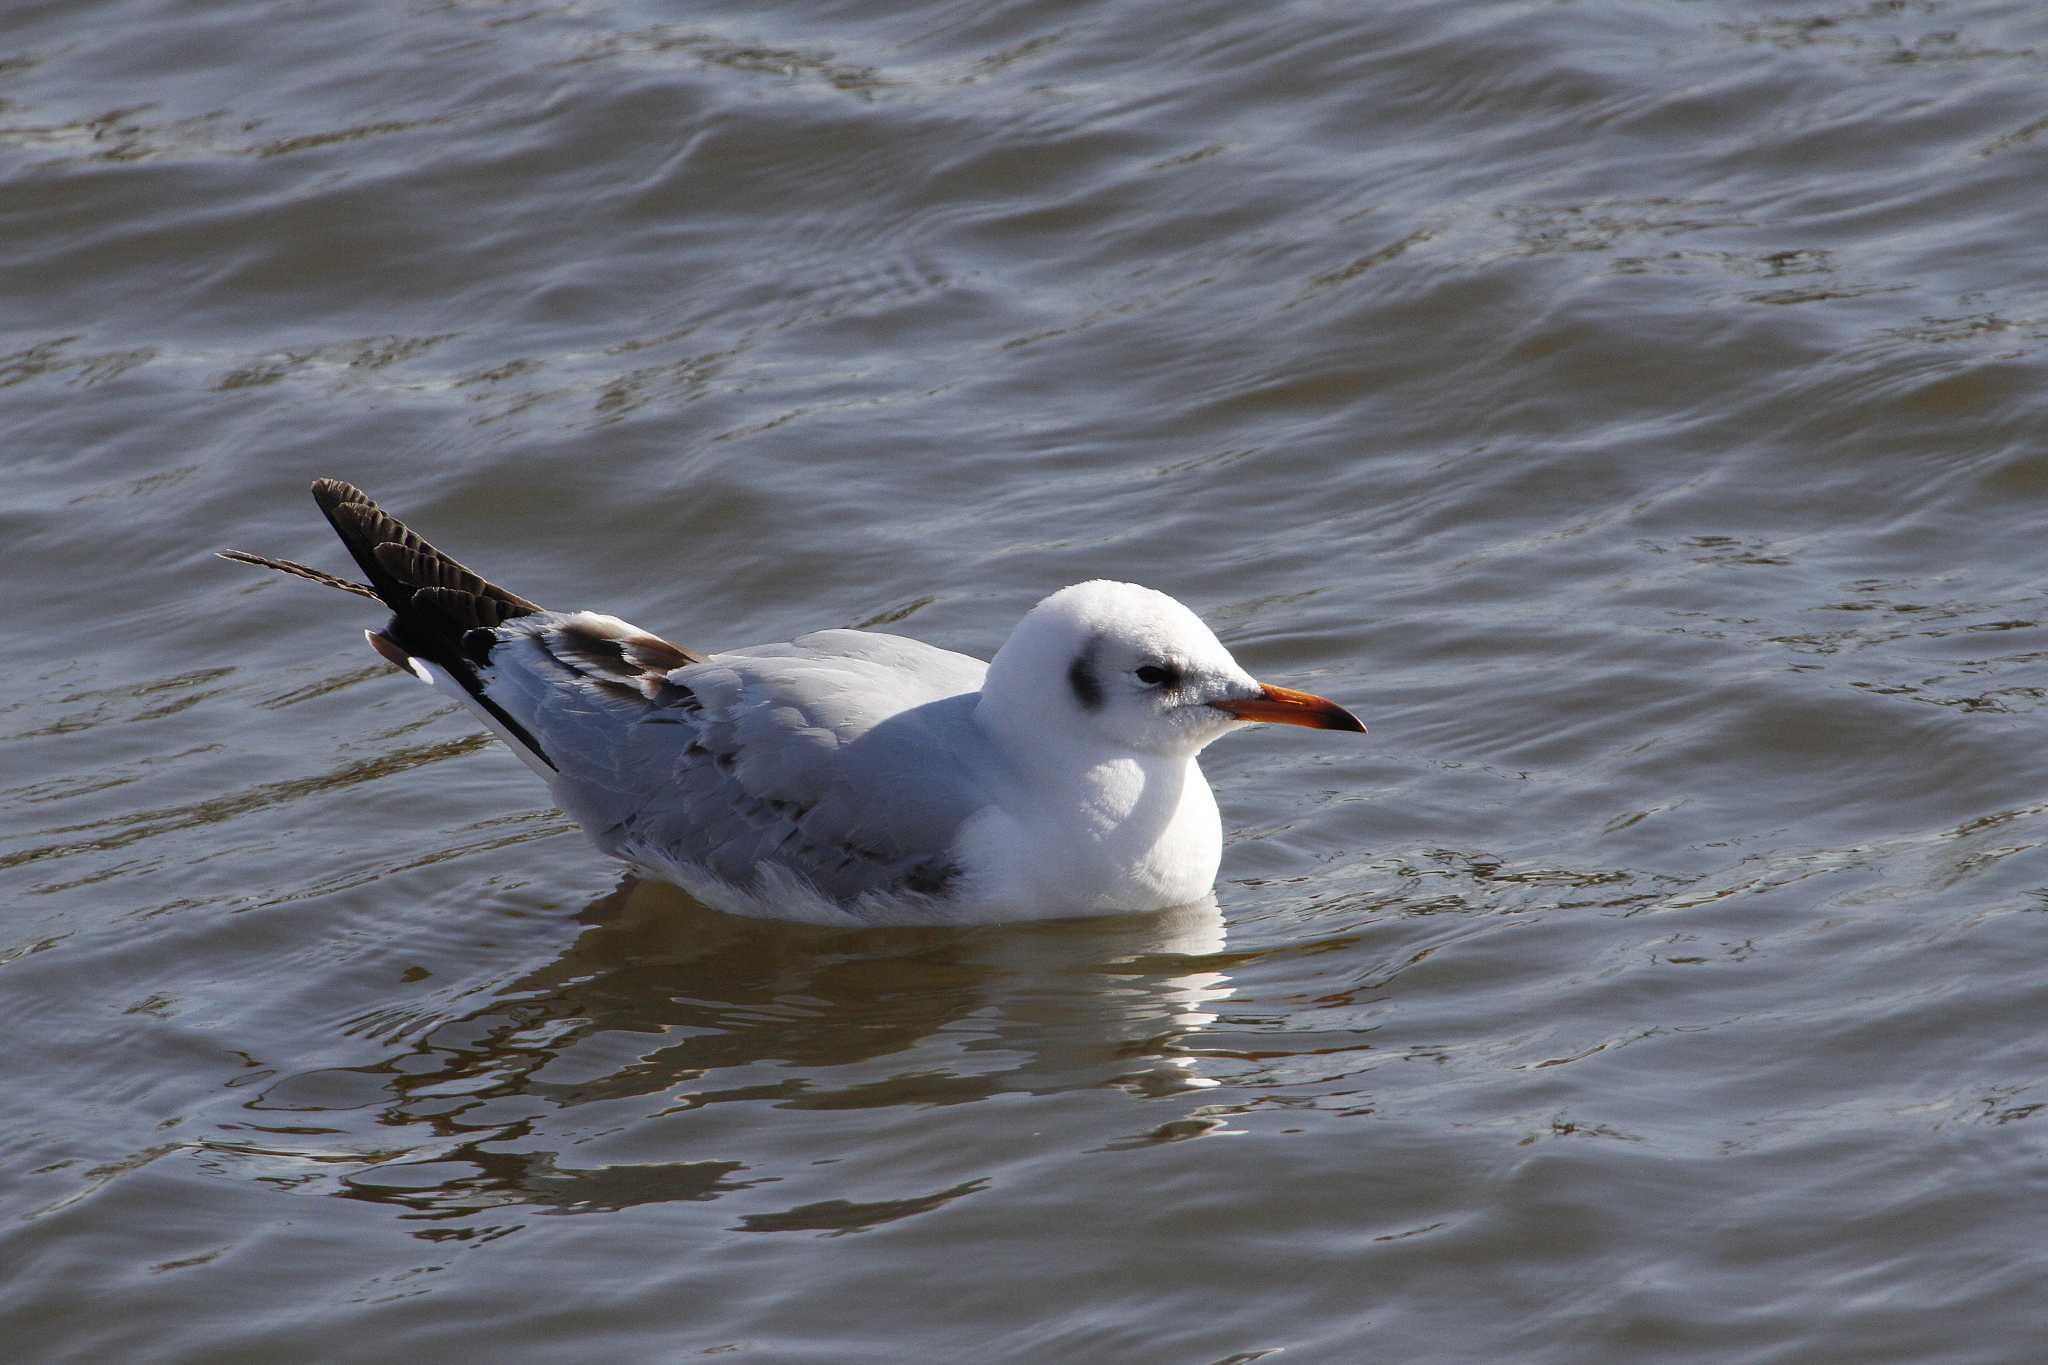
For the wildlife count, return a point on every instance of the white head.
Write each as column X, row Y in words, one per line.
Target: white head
column 1128, row 669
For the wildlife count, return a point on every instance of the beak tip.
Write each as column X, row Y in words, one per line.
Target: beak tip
column 1340, row 720
column 1284, row 706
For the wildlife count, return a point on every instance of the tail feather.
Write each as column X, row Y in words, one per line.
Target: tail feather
column 441, row 611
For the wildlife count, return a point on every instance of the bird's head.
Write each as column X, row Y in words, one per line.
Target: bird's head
column 1134, row 670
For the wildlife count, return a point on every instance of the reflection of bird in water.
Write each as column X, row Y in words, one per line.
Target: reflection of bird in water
column 848, row 776
column 668, row 1027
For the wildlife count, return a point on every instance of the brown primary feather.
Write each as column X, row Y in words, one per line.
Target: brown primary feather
column 441, row 611
column 395, row 558
column 298, row 570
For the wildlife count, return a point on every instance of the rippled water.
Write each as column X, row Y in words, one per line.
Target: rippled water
column 1633, row 411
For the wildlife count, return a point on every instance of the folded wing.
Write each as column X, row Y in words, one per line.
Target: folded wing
column 846, row 759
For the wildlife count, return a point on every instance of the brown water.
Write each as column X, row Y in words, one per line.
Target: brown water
column 1634, row 411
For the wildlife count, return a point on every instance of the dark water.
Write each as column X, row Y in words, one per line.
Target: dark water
column 1634, row 411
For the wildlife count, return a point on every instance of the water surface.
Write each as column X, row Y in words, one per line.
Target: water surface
column 1633, row 411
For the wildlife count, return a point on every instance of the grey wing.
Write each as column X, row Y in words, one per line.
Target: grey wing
column 848, row 759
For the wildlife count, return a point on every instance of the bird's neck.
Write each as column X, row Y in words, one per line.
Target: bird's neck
column 1042, row 752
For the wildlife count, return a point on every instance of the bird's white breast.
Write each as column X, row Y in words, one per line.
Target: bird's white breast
column 1132, row 834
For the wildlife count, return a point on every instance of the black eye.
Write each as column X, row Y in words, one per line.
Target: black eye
column 1152, row 675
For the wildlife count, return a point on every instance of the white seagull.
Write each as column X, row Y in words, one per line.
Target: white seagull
column 847, row 776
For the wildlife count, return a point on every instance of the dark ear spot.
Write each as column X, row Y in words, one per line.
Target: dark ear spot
column 1081, row 677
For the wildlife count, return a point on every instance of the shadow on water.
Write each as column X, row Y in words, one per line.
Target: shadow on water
column 664, row 1014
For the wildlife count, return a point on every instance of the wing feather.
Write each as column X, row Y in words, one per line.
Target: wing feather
column 811, row 758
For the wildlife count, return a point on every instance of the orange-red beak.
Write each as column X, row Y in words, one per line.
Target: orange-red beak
column 1284, row 706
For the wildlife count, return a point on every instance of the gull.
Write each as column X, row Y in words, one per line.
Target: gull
column 847, row 776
